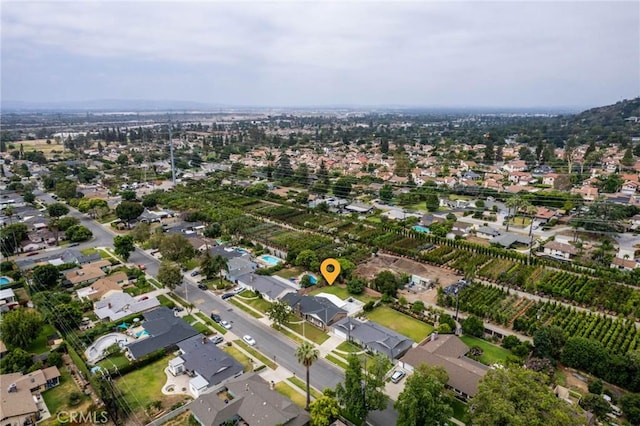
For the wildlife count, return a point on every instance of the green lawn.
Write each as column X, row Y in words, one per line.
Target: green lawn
column 285, row 389
column 88, row 251
column 144, row 385
column 257, row 303
column 289, row 272
column 201, row 328
column 165, row 301
column 491, row 353
column 309, row 331
column 189, row 319
column 293, row 336
column 119, row 360
column 337, row 361
column 403, row 324
column 303, row 386
column 264, row 359
column 349, row 347
column 342, row 293
column 238, row 356
column 39, row 345
column 57, row 398
column 460, row 410
column 245, row 308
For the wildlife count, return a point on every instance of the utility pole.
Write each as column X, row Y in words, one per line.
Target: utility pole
column 173, row 166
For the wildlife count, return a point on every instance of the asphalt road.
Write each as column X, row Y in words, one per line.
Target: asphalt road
column 322, row 373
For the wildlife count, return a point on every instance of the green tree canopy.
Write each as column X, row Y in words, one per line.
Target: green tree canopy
column 77, row 233
column 45, row 276
column 472, row 326
column 57, row 210
column 176, row 248
column 20, row 326
column 169, row 274
column 278, row 312
column 423, row 400
column 324, row 411
column 128, row 211
column 123, row 246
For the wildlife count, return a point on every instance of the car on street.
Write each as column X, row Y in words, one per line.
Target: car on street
column 397, row 376
column 142, row 267
column 73, row 245
column 216, row 317
column 226, row 324
column 227, row 295
column 217, row 339
column 195, row 273
column 203, row 287
column 250, row 340
column 33, row 253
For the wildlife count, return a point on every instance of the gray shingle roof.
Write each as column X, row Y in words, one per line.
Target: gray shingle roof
column 266, row 285
column 320, row 307
column 375, row 336
column 209, row 361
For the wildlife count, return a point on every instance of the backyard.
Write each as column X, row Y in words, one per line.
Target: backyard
column 39, row 344
column 57, row 399
column 342, row 293
column 401, row 323
column 492, row 354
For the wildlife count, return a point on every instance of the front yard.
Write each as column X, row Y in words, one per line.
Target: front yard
column 403, row 324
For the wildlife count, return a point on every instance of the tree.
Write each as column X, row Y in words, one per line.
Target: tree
column 306, row 355
column 386, row 282
column 278, row 312
column 128, row 195
column 472, row 326
column 375, row 398
column 78, row 233
column 11, row 236
column 518, row 396
column 350, row 393
column 122, row 159
column 417, row 307
column 169, row 274
column 596, row 387
column 308, row 259
column 16, row 361
column 123, row 246
column 66, row 316
column 128, row 211
column 630, row 404
column 356, row 285
column 57, row 210
column 45, row 276
column 67, row 222
column 432, row 202
column 386, row 193
column 324, row 411
column 28, row 197
column 342, row 187
column 596, row 404
column 423, row 400
column 548, row 342
column 585, row 354
column 283, row 170
column 513, row 204
column 20, row 326
column 176, row 248
column 141, row 232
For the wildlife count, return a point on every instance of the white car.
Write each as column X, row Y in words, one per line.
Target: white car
column 226, row 324
column 250, row 340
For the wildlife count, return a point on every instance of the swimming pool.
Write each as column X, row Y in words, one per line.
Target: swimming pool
column 4, row 281
column 142, row 333
column 421, row 229
column 241, row 250
column 273, row 261
column 312, row 279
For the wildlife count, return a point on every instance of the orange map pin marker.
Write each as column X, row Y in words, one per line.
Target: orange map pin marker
column 328, row 275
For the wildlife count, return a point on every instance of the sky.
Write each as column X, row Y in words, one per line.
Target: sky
column 323, row 53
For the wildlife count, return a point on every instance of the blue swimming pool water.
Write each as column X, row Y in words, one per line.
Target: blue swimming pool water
column 4, row 281
column 241, row 250
column 142, row 333
column 270, row 259
column 313, row 279
column 421, row 229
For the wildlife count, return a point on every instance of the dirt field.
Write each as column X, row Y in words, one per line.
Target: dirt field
column 397, row 264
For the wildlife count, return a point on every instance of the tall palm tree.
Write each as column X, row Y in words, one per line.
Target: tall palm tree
column 512, row 203
column 220, row 263
column 307, row 354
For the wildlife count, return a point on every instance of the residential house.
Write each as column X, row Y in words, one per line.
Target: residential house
column 164, row 330
column 317, row 310
column 515, row 166
column 560, row 250
column 509, row 240
column 239, row 266
column 270, row 288
column 206, row 364
column 630, row 187
column 550, row 179
column 119, row 305
column 448, row 351
column 544, row 215
column 487, row 232
column 84, row 275
column 360, row 208
column 625, row 264
column 587, row 192
column 21, row 401
column 248, row 400
column 7, row 299
column 373, row 337
column 103, row 286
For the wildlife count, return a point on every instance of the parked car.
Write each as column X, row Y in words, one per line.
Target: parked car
column 195, row 273
column 397, row 376
column 178, row 309
column 217, row 339
column 73, row 245
column 250, row 340
column 215, row 317
column 227, row 295
column 203, row 287
column 142, row 267
column 226, row 324
column 238, row 289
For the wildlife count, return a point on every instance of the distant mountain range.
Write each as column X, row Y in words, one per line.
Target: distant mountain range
column 610, row 114
column 108, row 105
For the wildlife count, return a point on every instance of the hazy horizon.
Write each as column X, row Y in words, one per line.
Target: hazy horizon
column 466, row 55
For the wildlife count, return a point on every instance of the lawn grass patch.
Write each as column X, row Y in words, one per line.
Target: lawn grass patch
column 288, row 333
column 303, row 385
column 285, row 389
column 258, row 303
column 57, row 399
column 288, row 273
column 152, row 376
column 211, row 323
column 165, row 301
column 403, row 324
column 245, row 308
column 337, row 361
column 349, row 347
column 308, row 330
column 39, row 344
column 238, row 356
column 265, row 360
column 89, row 251
column 460, row 410
column 203, row 329
column 189, row 319
column 119, row 360
column 491, row 354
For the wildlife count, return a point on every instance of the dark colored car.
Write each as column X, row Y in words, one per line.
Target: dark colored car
column 203, row 287
column 227, row 295
column 216, row 317
column 195, row 273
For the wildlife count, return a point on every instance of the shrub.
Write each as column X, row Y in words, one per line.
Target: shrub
column 368, row 307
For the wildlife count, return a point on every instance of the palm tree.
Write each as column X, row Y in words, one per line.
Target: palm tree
column 307, row 354
column 512, row 203
column 531, row 210
column 219, row 263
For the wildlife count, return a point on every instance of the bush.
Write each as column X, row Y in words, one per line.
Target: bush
column 596, row 387
column 510, row 342
column 74, row 399
column 444, row 328
column 368, row 307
